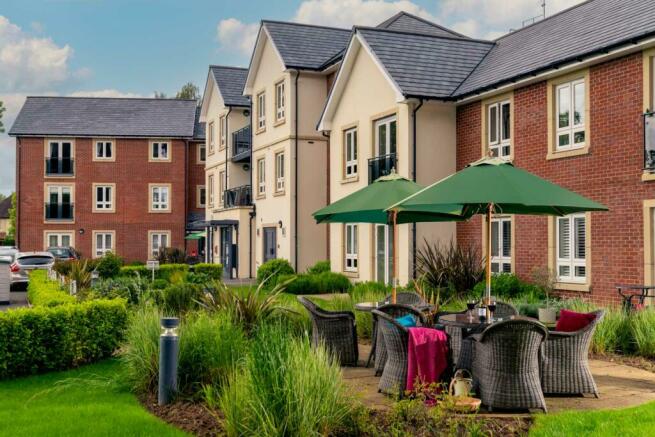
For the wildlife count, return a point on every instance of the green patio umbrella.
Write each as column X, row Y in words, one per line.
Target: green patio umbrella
column 493, row 185
column 370, row 204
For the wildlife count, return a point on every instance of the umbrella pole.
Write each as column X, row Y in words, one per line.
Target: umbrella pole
column 394, row 256
column 488, row 255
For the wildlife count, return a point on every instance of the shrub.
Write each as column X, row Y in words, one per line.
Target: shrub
column 62, row 268
column 272, row 269
column 283, row 373
column 135, row 270
column 43, row 292
column 171, row 255
column 132, row 289
column 509, row 286
column 109, row 266
column 319, row 267
column 43, row 339
column 213, row 271
column 177, row 299
column 159, row 284
column 167, row 272
column 326, row 282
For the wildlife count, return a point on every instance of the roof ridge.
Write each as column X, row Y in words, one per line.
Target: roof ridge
column 295, row 23
column 563, row 11
column 396, row 16
column 228, row 67
column 110, row 98
column 405, row 32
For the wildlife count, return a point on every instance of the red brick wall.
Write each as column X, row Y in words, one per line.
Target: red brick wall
column 610, row 173
column 131, row 172
column 196, row 177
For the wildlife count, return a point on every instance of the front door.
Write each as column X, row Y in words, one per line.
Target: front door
column 226, row 251
column 383, row 253
column 270, row 243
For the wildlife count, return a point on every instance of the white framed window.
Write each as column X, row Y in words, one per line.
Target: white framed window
column 210, row 136
column 571, row 253
column 202, row 196
column 59, row 202
column 104, row 150
column 60, row 160
column 350, row 144
column 103, row 197
column 157, row 240
column 279, row 101
column 261, row 110
column 58, row 239
column 499, row 131
column 103, row 242
column 384, row 254
column 222, row 127
column 222, row 184
column 501, row 245
column 160, row 151
column 261, row 177
column 570, row 115
column 279, row 172
column 160, row 198
column 202, row 152
column 210, row 182
column 351, row 261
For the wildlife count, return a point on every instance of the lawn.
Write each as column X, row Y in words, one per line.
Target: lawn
column 636, row 421
column 85, row 401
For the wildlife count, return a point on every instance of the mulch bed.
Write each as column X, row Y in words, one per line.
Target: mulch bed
column 192, row 417
column 628, row 360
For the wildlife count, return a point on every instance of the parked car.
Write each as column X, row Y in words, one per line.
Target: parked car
column 64, row 253
column 8, row 253
column 26, row 262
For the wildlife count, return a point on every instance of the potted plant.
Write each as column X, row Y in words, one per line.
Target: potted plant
column 544, row 278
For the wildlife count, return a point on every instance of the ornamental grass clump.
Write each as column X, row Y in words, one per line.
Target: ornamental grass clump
column 286, row 388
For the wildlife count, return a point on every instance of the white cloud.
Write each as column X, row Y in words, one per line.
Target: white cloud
column 30, row 63
column 103, row 93
column 237, row 36
column 12, row 104
column 345, row 13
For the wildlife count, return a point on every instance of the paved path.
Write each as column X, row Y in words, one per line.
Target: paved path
column 619, row 386
column 18, row 300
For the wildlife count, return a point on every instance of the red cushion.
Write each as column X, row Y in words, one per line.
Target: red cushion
column 570, row 321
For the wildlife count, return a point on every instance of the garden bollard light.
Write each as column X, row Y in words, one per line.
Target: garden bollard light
column 169, row 347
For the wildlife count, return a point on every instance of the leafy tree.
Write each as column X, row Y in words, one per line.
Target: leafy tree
column 188, row 91
column 2, row 110
column 11, row 232
column 2, row 197
column 160, row 95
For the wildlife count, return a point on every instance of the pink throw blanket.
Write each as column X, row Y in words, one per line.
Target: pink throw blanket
column 427, row 355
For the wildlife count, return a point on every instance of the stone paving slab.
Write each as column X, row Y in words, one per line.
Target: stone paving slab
column 619, row 386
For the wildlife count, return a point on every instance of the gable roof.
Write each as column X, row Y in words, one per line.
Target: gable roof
column 102, row 116
column 404, row 21
column 230, row 82
column 5, row 206
column 593, row 27
column 421, row 64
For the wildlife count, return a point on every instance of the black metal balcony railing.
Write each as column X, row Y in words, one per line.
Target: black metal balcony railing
column 239, row 196
column 241, row 144
column 381, row 166
column 59, row 166
column 59, row 211
column 649, row 141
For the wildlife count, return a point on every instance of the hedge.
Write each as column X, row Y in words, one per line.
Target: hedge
column 165, row 271
column 272, row 269
column 43, row 292
column 42, row 339
column 214, row 271
column 326, row 282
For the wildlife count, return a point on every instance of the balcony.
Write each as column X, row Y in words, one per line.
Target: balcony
column 241, row 145
column 59, row 166
column 381, row 166
column 239, row 196
column 649, row 141
column 59, row 211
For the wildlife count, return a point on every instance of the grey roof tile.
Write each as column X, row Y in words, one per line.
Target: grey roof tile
column 307, row 46
column 572, row 33
column 425, row 65
column 407, row 22
column 198, row 127
column 101, row 116
column 230, row 81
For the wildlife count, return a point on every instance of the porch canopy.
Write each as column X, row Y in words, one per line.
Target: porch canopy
column 196, row 235
column 494, row 186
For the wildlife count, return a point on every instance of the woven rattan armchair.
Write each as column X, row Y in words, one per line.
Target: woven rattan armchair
column 408, row 298
column 396, row 337
column 506, row 364
column 336, row 330
column 395, row 311
column 565, row 364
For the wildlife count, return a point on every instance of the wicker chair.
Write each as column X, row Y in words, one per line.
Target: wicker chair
column 408, row 298
column 395, row 311
column 506, row 364
column 335, row 329
column 565, row 364
column 396, row 337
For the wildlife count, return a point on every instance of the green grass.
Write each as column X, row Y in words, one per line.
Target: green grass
column 636, row 421
column 85, row 401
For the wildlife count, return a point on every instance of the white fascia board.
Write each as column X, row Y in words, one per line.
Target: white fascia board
column 206, row 95
column 256, row 58
column 399, row 94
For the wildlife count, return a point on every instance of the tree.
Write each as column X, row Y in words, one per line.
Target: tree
column 160, row 95
column 2, row 197
column 188, row 91
column 2, row 109
column 11, row 232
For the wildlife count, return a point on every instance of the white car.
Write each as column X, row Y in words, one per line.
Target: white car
column 25, row 262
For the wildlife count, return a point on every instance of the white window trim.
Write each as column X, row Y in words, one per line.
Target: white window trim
column 46, row 151
column 351, row 166
column 387, row 121
column 222, row 128
column 261, row 177
column 279, row 172
column 572, row 262
column 280, row 101
column 351, row 248
column 158, row 144
column 106, row 206
column 388, row 231
column 222, row 186
column 58, row 234
column 164, row 207
column 151, row 234
column 104, row 250
column 46, row 194
column 501, row 259
column 210, row 136
column 503, row 139
column 202, row 146
column 261, row 111
column 210, row 193
column 104, row 143
column 572, row 128
column 199, row 203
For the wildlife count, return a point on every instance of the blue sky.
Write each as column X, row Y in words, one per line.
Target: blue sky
column 128, row 48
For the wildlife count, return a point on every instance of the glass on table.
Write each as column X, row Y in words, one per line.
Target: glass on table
column 470, row 305
column 492, row 308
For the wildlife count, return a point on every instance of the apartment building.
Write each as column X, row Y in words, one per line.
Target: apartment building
column 104, row 174
column 225, row 111
column 576, row 111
